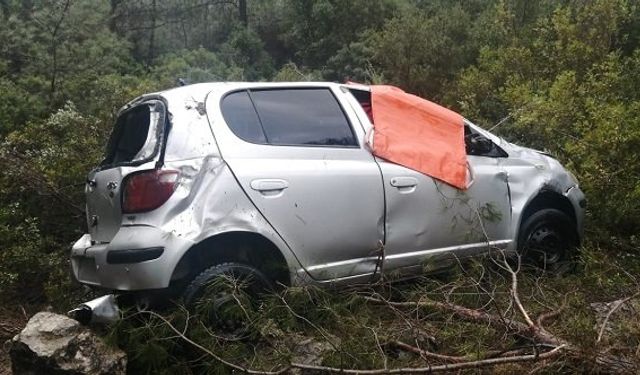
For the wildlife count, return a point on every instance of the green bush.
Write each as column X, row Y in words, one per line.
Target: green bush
column 44, row 166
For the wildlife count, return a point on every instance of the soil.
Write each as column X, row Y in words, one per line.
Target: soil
column 12, row 320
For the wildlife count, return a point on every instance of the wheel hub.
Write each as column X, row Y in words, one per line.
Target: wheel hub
column 546, row 244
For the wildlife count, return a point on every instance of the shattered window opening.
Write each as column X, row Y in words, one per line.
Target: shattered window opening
column 134, row 137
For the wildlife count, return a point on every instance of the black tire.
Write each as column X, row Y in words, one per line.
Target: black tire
column 548, row 241
column 207, row 295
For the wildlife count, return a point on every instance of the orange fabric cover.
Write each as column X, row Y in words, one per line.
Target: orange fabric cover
column 419, row 134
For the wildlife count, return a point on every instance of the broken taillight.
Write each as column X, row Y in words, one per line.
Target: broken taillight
column 148, row 190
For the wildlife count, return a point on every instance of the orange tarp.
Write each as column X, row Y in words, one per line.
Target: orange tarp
column 418, row 134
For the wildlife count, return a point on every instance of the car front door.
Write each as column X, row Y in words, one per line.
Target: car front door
column 300, row 160
column 429, row 221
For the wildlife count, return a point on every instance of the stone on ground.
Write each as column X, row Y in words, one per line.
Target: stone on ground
column 55, row 344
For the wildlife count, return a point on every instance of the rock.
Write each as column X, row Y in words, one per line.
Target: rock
column 55, row 344
column 625, row 310
column 310, row 351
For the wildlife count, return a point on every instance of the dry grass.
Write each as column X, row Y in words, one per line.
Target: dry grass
column 408, row 325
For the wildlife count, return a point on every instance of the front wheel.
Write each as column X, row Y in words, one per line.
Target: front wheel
column 548, row 241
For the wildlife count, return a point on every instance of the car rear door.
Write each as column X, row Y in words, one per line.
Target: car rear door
column 301, row 161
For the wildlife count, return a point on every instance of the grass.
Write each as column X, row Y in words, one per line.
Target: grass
column 340, row 328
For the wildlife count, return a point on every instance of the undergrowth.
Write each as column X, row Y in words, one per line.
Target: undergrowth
column 343, row 328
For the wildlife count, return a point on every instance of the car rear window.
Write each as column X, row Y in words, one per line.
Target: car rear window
column 292, row 117
column 135, row 135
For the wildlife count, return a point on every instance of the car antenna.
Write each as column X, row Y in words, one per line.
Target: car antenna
column 509, row 115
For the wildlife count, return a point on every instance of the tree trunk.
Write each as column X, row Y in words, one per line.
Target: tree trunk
column 54, row 51
column 113, row 13
column 242, row 12
column 4, row 6
column 26, row 9
column 152, row 33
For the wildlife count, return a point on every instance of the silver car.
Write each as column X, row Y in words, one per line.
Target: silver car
column 275, row 181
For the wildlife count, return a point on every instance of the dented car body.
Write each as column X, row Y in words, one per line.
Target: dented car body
column 224, row 173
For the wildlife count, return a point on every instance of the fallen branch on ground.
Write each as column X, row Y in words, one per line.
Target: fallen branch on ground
column 335, row 370
column 514, row 319
column 613, row 309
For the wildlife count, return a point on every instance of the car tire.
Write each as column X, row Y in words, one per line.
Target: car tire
column 548, row 241
column 205, row 297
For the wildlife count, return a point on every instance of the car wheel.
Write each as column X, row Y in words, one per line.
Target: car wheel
column 224, row 295
column 548, row 241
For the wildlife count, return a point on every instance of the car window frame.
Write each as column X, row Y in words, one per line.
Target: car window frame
column 162, row 128
column 248, row 90
column 499, row 151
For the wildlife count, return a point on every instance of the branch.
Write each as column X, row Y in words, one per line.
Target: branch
column 209, row 352
column 428, row 354
column 466, row 313
column 515, row 295
column 551, row 314
column 441, row 368
column 335, row 370
column 320, row 330
column 613, row 309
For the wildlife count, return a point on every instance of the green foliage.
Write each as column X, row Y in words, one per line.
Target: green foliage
column 17, row 106
column 42, row 164
column 20, row 258
column 194, row 66
column 422, row 52
column 245, row 50
column 352, row 62
column 291, row 73
column 566, row 89
column 316, row 29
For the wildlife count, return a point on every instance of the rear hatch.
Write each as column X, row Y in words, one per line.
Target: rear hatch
column 136, row 139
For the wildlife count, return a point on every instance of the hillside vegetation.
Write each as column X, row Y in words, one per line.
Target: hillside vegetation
column 560, row 76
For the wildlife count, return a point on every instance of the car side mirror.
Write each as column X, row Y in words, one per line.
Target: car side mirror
column 478, row 144
column 484, row 145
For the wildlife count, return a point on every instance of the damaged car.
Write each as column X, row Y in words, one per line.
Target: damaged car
column 310, row 183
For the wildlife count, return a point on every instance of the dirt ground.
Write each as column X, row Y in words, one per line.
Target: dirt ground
column 12, row 320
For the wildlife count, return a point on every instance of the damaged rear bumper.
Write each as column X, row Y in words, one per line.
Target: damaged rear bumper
column 137, row 258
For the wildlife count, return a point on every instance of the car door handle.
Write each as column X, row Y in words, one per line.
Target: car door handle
column 404, row 182
column 265, row 185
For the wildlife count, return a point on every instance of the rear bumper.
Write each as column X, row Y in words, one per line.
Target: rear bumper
column 137, row 258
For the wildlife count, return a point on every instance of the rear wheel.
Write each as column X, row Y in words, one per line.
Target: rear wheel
column 224, row 296
column 548, row 241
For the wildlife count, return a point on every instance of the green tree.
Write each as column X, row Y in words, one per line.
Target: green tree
column 317, row 29
column 423, row 52
column 565, row 86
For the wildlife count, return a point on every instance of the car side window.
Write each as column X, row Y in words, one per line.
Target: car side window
column 289, row 117
column 241, row 116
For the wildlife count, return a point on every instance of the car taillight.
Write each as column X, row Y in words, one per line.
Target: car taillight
column 148, row 190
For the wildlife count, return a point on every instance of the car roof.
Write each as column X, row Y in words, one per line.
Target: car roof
column 227, row 86
column 199, row 91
